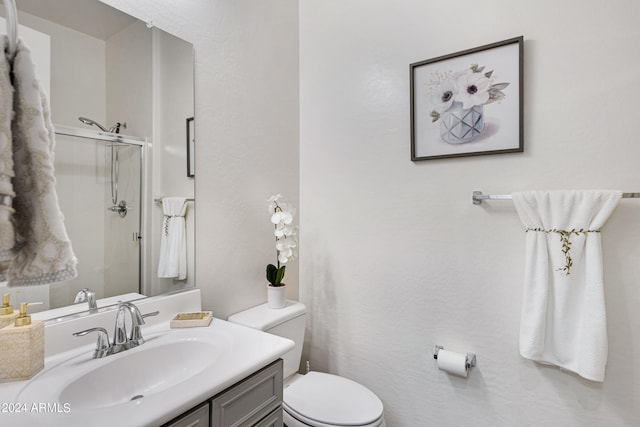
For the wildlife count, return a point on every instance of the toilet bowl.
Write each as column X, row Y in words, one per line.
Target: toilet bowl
column 316, row 399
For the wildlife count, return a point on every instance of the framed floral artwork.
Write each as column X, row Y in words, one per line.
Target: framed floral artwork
column 468, row 103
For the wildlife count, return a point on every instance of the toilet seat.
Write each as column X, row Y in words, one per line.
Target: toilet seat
column 324, row 400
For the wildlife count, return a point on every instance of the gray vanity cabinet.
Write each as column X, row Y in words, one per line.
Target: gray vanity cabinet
column 255, row 401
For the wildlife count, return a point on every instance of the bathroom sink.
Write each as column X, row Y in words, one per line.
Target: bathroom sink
column 138, row 374
column 171, row 373
column 162, row 362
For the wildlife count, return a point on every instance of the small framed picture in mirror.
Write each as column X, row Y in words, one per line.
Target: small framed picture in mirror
column 191, row 160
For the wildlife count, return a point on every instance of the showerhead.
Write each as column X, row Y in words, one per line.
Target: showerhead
column 114, row 129
column 92, row 123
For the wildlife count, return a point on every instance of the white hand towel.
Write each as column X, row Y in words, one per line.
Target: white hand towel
column 563, row 309
column 7, row 235
column 43, row 252
column 173, row 242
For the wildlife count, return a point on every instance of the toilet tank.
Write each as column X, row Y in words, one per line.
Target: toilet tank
column 286, row 322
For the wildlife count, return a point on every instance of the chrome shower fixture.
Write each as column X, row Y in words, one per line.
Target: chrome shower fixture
column 115, row 163
column 113, row 129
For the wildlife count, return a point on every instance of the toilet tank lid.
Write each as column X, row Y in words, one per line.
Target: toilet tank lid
column 263, row 318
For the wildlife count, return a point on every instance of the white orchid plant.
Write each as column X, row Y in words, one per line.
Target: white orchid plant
column 470, row 87
column 282, row 215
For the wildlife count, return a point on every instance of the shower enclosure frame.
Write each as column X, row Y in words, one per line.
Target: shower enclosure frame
column 145, row 146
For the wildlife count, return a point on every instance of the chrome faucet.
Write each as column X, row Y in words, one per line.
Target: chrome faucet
column 121, row 341
column 86, row 294
column 120, row 333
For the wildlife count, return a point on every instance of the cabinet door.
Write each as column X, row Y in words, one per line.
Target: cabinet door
column 250, row 400
column 198, row 417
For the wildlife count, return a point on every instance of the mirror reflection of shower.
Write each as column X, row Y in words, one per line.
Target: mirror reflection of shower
column 110, row 259
column 116, row 206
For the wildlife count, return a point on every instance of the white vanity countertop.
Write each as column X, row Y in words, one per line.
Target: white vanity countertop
column 238, row 352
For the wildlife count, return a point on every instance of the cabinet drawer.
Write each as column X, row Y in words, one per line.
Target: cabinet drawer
column 274, row 419
column 250, row 400
column 198, row 417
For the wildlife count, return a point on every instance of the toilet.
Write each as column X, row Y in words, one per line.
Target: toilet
column 315, row 399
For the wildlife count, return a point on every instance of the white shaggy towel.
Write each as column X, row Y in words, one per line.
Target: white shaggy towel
column 173, row 242
column 564, row 319
column 43, row 252
column 7, row 235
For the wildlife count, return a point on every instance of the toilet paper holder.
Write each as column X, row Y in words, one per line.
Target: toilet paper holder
column 469, row 363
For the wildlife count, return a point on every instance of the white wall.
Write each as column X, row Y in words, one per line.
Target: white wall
column 394, row 256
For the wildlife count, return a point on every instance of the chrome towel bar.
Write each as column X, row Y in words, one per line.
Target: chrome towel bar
column 159, row 200
column 477, row 197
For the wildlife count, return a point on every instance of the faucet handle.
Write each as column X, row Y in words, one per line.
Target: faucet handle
column 102, row 345
column 153, row 313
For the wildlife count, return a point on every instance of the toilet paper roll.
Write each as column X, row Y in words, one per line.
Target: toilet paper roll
column 452, row 362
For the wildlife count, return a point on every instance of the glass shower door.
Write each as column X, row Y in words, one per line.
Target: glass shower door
column 99, row 185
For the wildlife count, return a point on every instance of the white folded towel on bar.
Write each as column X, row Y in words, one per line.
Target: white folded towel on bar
column 173, row 241
column 564, row 319
column 43, row 252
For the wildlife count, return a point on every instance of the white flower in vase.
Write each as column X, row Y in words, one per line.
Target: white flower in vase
column 282, row 215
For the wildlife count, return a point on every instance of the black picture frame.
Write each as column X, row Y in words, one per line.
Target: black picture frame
column 448, row 96
column 191, row 160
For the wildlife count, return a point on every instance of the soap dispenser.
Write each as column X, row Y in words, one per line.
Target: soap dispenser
column 7, row 313
column 22, row 347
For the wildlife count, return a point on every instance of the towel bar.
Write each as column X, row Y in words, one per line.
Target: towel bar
column 159, row 200
column 477, row 197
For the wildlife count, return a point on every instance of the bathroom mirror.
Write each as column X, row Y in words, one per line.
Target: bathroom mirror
column 109, row 67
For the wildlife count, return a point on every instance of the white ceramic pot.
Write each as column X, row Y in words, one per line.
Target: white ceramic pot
column 276, row 296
